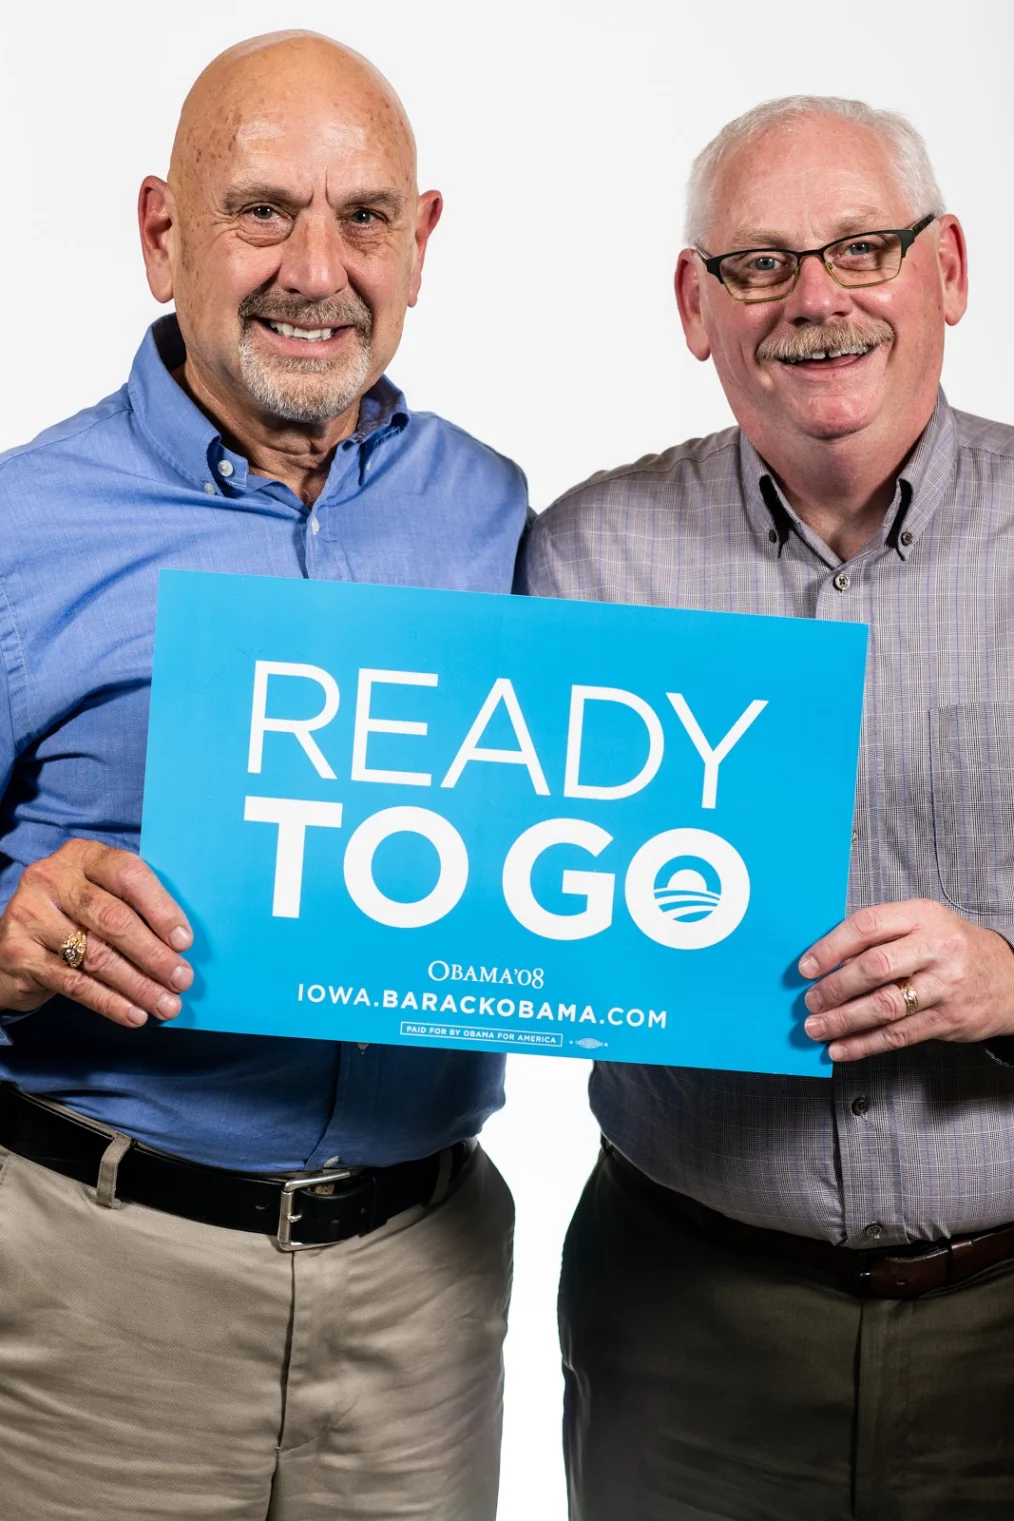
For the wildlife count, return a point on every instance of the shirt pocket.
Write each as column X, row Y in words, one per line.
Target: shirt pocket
column 972, row 768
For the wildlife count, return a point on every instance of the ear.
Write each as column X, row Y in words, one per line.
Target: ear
column 953, row 256
column 431, row 204
column 156, row 219
column 689, row 298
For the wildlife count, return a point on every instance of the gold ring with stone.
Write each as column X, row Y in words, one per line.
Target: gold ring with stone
column 72, row 951
column 909, row 994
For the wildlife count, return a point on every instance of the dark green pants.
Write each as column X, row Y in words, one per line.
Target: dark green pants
column 705, row 1383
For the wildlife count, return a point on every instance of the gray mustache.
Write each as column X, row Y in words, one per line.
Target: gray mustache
column 807, row 341
column 349, row 311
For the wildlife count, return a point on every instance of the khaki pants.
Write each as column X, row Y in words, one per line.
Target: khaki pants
column 706, row 1383
column 151, row 1367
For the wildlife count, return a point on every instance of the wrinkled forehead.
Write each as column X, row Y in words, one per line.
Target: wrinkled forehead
column 301, row 142
column 801, row 182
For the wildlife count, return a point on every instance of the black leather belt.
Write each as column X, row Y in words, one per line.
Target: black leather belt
column 298, row 1212
column 891, row 1272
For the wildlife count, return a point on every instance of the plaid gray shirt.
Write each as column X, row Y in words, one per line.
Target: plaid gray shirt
column 920, row 1143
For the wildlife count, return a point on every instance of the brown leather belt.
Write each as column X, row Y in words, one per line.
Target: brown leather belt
column 887, row 1273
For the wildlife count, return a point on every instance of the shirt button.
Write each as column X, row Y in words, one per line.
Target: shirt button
column 772, row 536
column 225, row 468
column 211, row 488
column 874, row 1232
column 860, row 1104
column 907, row 538
column 315, row 525
column 842, row 582
column 855, row 836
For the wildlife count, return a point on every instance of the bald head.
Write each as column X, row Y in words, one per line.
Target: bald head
column 254, row 89
column 290, row 233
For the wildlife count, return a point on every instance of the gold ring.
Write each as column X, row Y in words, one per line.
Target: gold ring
column 909, row 994
column 72, row 951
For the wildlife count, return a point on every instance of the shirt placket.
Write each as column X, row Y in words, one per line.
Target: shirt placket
column 326, row 553
column 862, row 1092
column 326, row 558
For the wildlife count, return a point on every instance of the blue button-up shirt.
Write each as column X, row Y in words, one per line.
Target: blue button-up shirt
column 90, row 511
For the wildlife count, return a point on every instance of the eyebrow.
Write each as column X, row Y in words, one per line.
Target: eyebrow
column 257, row 192
column 379, row 200
column 752, row 237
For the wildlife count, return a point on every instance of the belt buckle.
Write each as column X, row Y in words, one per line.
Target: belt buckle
column 287, row 1218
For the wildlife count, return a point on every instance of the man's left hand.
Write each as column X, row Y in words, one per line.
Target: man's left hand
column 962, row 975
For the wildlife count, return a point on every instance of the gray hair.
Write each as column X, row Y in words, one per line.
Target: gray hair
column 915, row 172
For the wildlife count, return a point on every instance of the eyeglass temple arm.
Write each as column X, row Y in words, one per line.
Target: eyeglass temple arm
column 908, row 235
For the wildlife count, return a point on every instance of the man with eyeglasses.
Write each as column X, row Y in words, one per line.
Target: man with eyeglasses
column 791, row 1299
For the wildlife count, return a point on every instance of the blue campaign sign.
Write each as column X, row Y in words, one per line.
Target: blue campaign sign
column 454, row 819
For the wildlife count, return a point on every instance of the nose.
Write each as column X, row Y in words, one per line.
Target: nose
column 313, row 257
column 816, row 296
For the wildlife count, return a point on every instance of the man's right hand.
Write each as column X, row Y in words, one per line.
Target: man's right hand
column 134, row 932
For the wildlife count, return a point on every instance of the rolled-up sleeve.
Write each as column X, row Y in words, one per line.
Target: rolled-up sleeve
column 8, row 750
column 13, row 713
column 13, row 706
column 15, row 716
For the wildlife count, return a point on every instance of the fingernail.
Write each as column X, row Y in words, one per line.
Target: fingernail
column 136, row 1016
column 813, row 1001
column 182, row 977
column 816, row 1028
column 808, row 966
column 168, row 1005
column 836, row 1053
column 180, row 939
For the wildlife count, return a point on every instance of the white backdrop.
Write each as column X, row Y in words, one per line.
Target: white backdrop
column 561, row 133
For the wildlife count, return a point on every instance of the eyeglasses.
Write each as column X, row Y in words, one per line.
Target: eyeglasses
column 770, row 274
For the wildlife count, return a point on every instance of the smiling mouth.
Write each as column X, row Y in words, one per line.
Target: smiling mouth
column 822, row 356
column 306, row 334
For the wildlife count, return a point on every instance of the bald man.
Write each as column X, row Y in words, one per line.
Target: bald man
column 161, row 1353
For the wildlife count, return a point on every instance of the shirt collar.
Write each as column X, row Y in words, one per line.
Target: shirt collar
column 922, row 485
column 180, row 432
